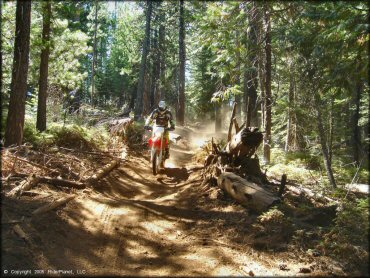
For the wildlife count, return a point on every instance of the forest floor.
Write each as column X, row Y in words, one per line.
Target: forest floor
column 134, row 223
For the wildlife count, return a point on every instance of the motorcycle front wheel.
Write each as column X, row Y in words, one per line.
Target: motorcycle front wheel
column 155, row 163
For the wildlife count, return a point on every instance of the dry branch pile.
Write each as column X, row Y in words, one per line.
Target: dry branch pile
column 25, row 167
column 236, row 170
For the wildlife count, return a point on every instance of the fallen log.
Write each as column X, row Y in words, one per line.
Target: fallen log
column 246, row 193
column 24, row 186
column 53, row 205
column 54, row 181
column 310, row 194
column 104, row 171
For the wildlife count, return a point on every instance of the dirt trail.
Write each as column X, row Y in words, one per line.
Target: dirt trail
column 134, row 223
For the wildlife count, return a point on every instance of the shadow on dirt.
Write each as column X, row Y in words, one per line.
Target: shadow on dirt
column 176, row 174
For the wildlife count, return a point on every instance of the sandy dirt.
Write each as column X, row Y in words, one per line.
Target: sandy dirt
column 134, row 223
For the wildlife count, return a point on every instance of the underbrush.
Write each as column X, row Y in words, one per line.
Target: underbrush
column 309, row 169
column 272, row 229
column 69, row 136
column 348, row 239
column 133, row 135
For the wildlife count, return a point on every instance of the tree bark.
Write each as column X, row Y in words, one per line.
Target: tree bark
column 94, row 55
column 181, row 96
column 140, row 88
column 267, row 137
column 44, row 68
column 17, row 102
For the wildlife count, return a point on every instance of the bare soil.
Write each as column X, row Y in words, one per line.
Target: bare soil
column 134, row 223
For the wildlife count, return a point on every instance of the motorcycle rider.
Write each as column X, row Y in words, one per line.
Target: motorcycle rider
column 162, row 117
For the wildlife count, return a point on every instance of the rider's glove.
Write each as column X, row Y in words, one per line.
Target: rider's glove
column 172, row 128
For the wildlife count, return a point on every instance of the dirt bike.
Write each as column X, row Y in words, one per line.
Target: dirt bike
column 158, row 144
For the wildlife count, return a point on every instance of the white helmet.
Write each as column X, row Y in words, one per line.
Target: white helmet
column 162, row 105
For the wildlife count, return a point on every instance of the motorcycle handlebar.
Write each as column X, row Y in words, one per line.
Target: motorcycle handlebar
column 166, row 128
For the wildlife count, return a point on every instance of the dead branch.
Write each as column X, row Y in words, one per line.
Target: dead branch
column 104, row 171
column 34, row 164
column 53, row 205
column 24, row 185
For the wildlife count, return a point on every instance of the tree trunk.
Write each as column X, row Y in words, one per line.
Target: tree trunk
column 1, row 53
column 181, row 96
column 94, row 56
column 267, row 137
column 356, row 137
column 261, row 76
column 331, row 130
column 44, row 67
column 237, row 96
column 140, row 88
column 323, row 142
column 17, row 102
column 162, row 52
column 250, row 74
column 155, row 71
column 218, row 121
column 289, row 135
column 246, row 193
column 146, row 94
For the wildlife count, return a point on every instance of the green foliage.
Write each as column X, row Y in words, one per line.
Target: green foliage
column 33, row 136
